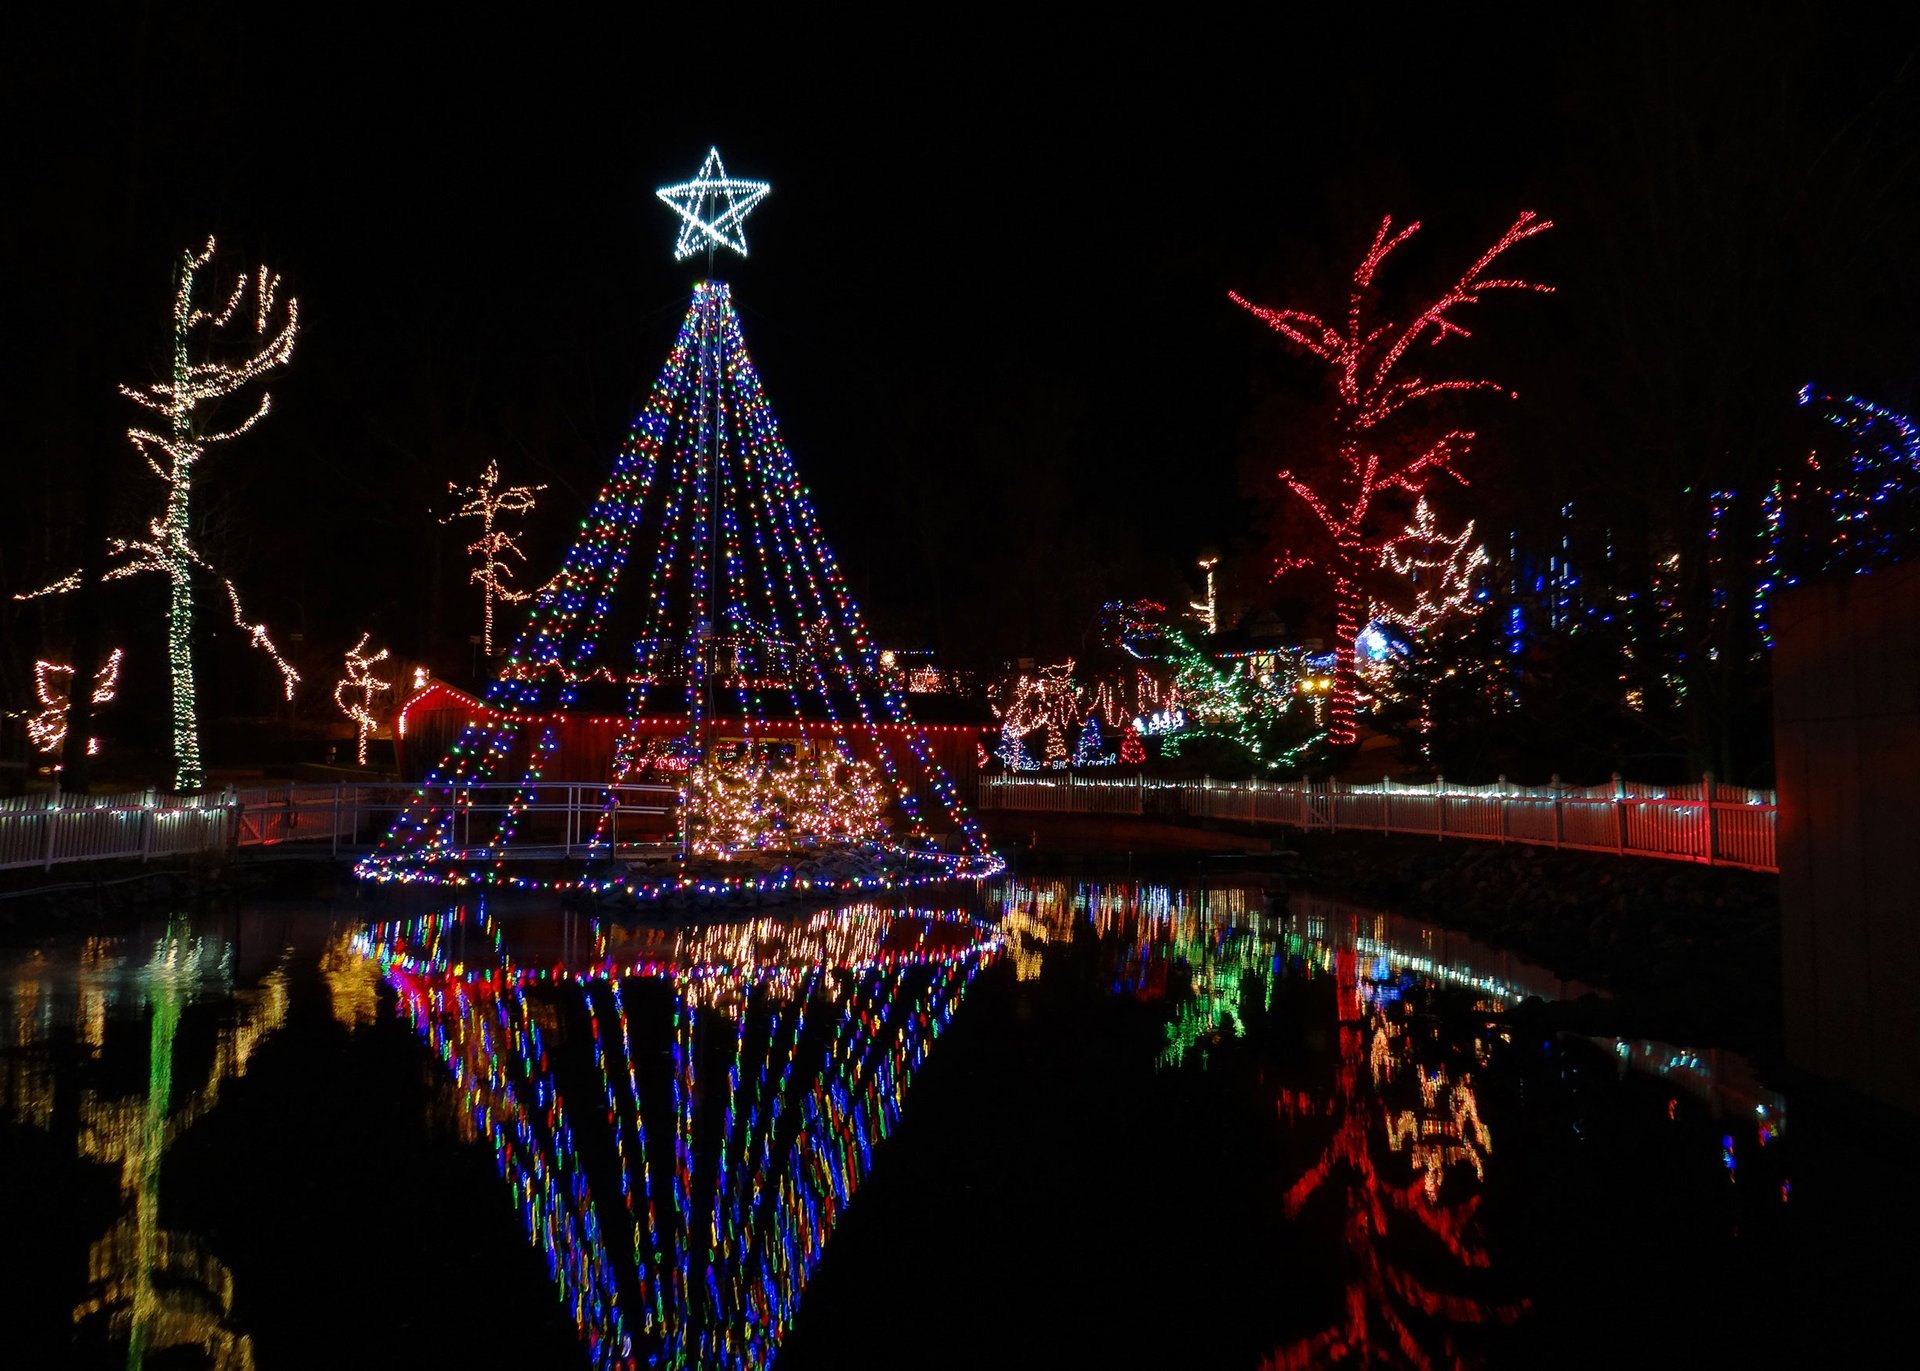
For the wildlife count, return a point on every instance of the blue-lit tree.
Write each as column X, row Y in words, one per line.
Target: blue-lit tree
column 1086, row 749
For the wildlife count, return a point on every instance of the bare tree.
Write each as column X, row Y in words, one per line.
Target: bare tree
column 487, row 502
column 1368, row 457
column 197, row 382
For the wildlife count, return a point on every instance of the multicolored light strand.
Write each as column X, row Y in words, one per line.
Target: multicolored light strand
column 793, row 1044
column 743, row 635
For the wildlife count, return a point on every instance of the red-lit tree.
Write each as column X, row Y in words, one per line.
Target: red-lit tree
column 1370, row 455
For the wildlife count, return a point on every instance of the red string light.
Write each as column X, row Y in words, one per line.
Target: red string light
column 1365, row 354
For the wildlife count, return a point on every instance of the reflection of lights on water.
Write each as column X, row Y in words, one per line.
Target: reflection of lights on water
column 793, row 1042
column 156, row 1289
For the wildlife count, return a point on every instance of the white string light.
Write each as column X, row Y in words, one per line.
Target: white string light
column 360, row 677
column 486, row 502
column 1208, row 610
column 53, row 684
column 1442, row 570
column 171, row 450
column 695, row 201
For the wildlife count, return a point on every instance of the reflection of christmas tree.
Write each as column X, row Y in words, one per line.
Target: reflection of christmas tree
column 683, row 1203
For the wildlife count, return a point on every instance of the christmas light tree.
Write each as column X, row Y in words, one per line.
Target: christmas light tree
column 1850, row 511
column 745, row 643
column 1087, row 748
column 1370, row 455
column 199, row 378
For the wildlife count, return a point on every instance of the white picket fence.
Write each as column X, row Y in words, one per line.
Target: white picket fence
column 558, row 818
column 1719, row 825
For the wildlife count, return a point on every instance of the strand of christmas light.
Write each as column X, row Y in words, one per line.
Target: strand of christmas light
column 360, row 678
column 486, row 502
column 1365, row 355
column 172, row 451
column 892, row 704
column 258, row 636
column 53, row 686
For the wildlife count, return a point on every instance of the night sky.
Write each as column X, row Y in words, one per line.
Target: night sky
column 987, row 295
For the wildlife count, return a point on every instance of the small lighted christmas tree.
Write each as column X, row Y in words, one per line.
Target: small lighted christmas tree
column 354, row 692
column 1086, row 751
column 487, row 502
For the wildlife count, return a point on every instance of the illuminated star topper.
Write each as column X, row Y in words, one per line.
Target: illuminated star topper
column 697, row 200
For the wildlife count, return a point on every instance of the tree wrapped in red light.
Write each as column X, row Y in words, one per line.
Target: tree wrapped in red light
column 1371, row 457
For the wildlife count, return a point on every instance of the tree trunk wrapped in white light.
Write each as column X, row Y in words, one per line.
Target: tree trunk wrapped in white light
column 172, row 448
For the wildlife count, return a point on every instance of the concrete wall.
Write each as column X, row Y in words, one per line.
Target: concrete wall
column 1846, row 672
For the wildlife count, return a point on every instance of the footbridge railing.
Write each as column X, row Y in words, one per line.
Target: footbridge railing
column 550, row 818
column 1706, row 822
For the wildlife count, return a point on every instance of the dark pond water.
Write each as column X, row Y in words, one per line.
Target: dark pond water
column 1050, row 1124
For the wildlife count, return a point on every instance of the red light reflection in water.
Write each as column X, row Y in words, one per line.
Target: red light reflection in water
column 1440, row 1137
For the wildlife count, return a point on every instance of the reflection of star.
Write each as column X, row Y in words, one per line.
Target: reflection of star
column 694, row 201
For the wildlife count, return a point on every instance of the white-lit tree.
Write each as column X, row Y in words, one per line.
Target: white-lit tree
column 53, row 684
column 360, row 680
column 487, row 502
column 205, row 368
column 1441, row 571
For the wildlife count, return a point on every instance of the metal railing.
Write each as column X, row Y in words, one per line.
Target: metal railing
column 1718, row 825
column 550, row 819
column 1708, row 822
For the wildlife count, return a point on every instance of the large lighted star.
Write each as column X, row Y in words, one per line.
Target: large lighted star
column 704, row 223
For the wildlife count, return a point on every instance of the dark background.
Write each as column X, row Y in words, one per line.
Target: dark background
column 987, row 294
